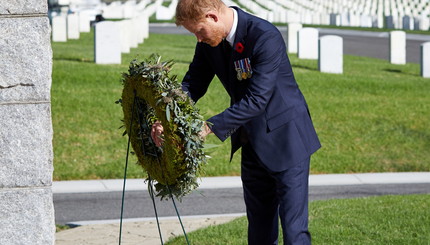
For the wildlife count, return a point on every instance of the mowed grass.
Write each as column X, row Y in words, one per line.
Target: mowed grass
column 394, row 220
column 373, row 118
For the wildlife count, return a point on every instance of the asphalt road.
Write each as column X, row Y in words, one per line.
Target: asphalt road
column 70, row 208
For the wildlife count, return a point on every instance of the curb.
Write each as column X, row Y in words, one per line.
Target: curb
column 110, row 185
column 153, row 219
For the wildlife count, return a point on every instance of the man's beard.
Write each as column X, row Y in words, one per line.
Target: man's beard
column 217, row 36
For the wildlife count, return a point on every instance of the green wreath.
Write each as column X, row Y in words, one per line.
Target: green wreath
column 158, row 96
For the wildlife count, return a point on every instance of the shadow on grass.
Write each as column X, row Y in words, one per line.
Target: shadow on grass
column 401, row 72
column 305, row 67
column 393, row 70
column 415, row 134
column 76, row 59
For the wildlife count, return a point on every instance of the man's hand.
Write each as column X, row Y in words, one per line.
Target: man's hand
column 157, row 133
column 205, row 131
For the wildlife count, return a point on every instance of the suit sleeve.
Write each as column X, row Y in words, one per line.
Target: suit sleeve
column 199, row 75
column 268, row 51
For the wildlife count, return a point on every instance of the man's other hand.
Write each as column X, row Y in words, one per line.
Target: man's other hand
column 157, row 133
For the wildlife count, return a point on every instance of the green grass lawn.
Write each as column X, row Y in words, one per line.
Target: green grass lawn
column 373, row 118
column 394, row 220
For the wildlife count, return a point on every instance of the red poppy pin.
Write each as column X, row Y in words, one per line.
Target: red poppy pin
column 239, row 47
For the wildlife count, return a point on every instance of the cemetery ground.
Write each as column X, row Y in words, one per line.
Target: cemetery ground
column 373, row 118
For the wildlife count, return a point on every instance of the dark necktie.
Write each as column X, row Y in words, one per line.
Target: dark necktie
column 227, row 50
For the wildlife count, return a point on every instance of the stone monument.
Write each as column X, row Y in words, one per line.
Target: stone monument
column 26, row 205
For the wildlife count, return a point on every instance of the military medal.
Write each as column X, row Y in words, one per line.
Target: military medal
column 243, row 69
column 238, row 69
column 248, row 69
column 239, row 74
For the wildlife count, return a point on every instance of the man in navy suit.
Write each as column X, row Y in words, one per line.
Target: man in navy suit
column 268, row 116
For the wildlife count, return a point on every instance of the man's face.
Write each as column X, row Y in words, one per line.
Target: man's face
column 207, row 31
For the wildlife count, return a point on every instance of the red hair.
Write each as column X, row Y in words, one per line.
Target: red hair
column 195, row 10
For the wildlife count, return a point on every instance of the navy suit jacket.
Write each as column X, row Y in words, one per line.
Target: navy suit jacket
column 269, row 106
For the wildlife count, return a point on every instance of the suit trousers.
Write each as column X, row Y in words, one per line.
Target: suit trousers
column 272, row 196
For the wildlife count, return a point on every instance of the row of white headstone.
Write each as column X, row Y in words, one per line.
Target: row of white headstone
column 166, row 13
column 129, row 9
column 306, row 43
column 69, row 26
column 112, row 38
column 393, row 14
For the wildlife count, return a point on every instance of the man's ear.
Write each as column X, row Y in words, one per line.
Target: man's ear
column 212, row 15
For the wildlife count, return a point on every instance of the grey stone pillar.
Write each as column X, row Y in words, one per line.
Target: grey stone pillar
column 26, row 207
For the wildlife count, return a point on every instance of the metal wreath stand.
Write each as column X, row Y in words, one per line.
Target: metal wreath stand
column 143, row 123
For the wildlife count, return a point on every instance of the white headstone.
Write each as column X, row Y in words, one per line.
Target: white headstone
column 145, row 24
column 330, row 58
column 59, row 29
column 125, row 33
column 308, row 43
column 398, row 47
column 107, row 42
column 115, row 10
column 292, row 33
column 84, row 22
column 164, row 13
column 425, row 60
column 138, row 31
column 72, row 26
column 325, row 19
column 424, row 23
column 344, row 19
column 316, row 19
column 133, row 42
column 365, row 21
column 129, row 10
column 292, row 17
